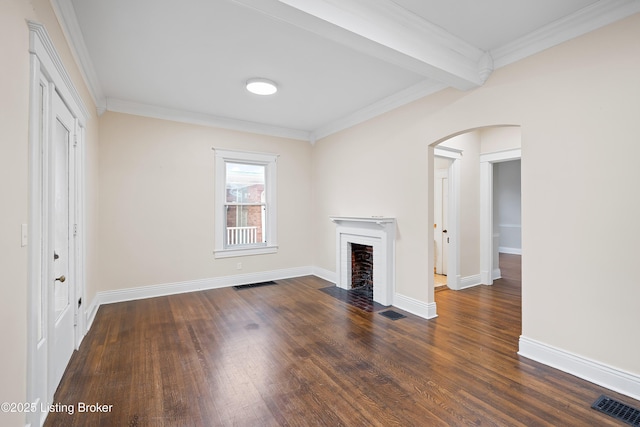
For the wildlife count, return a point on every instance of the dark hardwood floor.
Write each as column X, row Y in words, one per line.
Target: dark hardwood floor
column 291, row 355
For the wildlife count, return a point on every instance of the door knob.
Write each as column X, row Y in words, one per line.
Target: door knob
column 444, row 231
column 61, row 279
column 55, row 256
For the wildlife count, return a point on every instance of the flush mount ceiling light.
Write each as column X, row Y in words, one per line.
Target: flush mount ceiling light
column 261, row 86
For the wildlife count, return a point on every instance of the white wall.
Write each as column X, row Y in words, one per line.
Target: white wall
column 577, row 107
column 14, row 87
column 499, row 138
column 157, row 202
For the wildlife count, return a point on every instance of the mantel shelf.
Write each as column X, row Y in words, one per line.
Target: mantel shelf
column 372, row 219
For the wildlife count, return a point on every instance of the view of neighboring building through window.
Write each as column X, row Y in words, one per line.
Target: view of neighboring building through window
column 245, row 203
column 245, row 206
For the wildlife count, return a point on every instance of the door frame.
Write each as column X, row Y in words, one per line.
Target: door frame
column 486, row 209
column 439, row 208
column 453, row 254
column 48, row 76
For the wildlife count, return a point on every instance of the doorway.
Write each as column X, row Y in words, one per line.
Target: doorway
column 446, row 197
column 489, row 245
column 441, row 220
column 470, row 198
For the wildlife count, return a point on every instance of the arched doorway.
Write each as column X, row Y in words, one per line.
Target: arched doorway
column 472, row 252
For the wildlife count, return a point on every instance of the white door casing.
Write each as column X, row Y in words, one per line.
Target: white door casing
column 441, row 213
column 453, row 215
column 55, row 328
column 486, row 209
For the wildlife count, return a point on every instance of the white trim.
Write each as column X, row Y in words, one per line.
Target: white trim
column 329, row 276
column 231, row 253
column 486, row 208
column 593, row 371
column 426, row 310
column 583, row 21
column 378, row 232
column 405, row 96
column 486, row 221
column 350, row 220
column 470, row 281
column 66, row 15
column 411, row 305
column 501, row 156
column 47, row 69
column 496, row 274
column 453, row 257
column 513, row 251
column 42, row 47
column 153, row 291
column 408, row 41
column 270, row 225
column 156, row 112
column 91, row 311
column 36, row 346
column 447, row 152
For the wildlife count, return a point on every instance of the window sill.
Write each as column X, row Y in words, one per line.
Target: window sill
column 230, row 253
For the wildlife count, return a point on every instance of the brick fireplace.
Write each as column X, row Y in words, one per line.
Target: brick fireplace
column 365, row 254
column 361, row 266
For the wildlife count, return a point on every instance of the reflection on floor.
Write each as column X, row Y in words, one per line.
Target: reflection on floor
column 361, row 297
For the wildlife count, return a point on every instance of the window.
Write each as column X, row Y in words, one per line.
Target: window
column 245, row 203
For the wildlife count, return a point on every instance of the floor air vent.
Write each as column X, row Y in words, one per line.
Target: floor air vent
column 254, row 285
column 393, row 315
column 617, row 410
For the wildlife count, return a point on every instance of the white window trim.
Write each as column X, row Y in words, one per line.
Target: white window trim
column 268, row 160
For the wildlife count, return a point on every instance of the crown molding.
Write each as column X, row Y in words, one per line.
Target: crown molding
column 410, row 94
column 465, row 64
column 581, row 22
column 66, row 15
column 153, row 111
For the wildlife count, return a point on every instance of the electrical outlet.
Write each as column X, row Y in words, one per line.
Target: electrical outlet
column 239, row 266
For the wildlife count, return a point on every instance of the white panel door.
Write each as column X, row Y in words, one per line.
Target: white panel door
column 441, row 216
column 445, row 225
column 62, row 281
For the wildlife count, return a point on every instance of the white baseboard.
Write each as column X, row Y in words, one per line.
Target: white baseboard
column 329, row 276
column 587, row 369
column 513, row 251
column 496, row 274
column 411, row 305
column 91, row 312
column 131, row 294
column 414, row 306
column 470, row 281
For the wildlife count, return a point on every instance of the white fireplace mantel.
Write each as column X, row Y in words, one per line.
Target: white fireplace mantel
column 354, row 219
column 378, row 232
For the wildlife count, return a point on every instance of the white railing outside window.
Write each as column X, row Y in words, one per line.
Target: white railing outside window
column 242, row 235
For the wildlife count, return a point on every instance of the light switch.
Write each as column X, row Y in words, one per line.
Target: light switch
column 25, row 235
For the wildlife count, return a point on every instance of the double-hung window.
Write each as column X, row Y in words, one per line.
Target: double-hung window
column 245, row 206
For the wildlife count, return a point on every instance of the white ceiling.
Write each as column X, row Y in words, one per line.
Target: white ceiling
column 337, row 62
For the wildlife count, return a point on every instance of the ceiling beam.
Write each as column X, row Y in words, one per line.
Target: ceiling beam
column 384, row 30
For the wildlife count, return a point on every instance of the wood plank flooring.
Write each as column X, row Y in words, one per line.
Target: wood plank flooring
column 290, row 355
